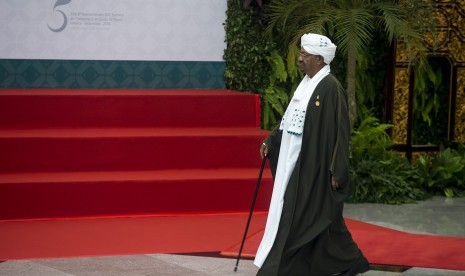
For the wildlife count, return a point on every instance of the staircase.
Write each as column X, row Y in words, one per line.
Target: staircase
column 100, row 153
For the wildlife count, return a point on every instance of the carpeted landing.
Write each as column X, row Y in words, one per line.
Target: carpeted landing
column 175, row 233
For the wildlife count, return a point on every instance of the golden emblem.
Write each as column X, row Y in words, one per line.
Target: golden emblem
column 317, row 103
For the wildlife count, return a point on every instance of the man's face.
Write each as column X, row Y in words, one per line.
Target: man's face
column 310, row 64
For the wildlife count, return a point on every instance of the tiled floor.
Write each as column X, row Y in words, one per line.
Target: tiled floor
column 438, row 216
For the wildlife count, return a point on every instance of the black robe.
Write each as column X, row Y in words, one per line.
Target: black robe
column 312, row 237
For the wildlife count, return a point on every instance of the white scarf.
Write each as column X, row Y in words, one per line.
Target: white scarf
column 292, row 125
column 294, row 117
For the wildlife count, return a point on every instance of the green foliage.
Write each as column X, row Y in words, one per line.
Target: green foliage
column 376, row 173
column 247, row 67
column 277, row 67
column 284, row 78
column 370, row 138
column 371, row 74
column 426, row 103
column 353, row 26
column 253, row 63
column 431, row 103
column 390, row 180
column 275, row 98
column 444, row 173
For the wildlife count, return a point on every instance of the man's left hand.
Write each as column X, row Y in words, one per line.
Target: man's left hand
column 334, row 183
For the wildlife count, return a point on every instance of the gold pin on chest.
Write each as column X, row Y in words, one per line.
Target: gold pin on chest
column 317, row 103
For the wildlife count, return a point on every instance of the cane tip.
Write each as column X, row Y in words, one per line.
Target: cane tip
column 235, row 269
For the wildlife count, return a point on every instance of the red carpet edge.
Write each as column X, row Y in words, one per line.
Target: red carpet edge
column 384, row 246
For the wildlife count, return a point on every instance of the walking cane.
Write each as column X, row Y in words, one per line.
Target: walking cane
column 251, row 211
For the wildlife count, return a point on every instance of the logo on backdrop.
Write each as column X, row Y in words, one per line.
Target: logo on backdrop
column 59, row 3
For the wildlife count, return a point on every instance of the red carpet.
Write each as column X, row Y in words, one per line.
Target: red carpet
column 107, row 172
column 384, row 246
column 31, row 239
column 74, row 153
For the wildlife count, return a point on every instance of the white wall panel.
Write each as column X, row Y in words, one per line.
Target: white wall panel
column 172, row 30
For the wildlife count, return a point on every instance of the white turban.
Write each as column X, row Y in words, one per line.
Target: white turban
column 320, row 45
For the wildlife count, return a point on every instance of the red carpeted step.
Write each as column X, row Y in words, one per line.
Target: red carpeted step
column 71, row 194
column 64, row 108
column 128, row 149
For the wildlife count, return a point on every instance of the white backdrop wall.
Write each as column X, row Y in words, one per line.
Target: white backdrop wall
column 163, row 30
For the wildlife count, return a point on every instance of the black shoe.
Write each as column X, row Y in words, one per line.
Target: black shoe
column 361, row 267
